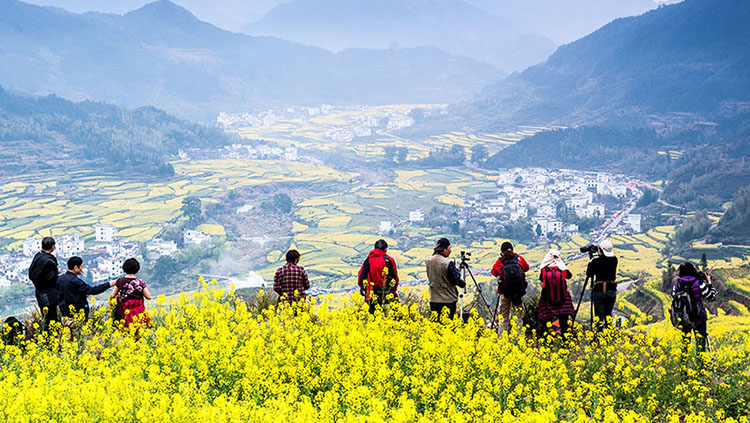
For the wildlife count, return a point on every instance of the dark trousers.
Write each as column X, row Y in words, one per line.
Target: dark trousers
column 438, row 308
column 47, row 300
column 603, row 306
column 701, row 335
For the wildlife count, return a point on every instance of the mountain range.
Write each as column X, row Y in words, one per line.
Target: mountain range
column 690, row 57
column 53, row 134
column 164, row 56
column 452, row 25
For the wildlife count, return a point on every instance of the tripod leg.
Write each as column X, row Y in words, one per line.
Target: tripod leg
column 494, row 315
column 580, row 299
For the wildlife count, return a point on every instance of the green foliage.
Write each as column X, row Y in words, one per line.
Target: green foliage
column 693, row 228
column 649, row 196
column 138, row 141
column 479, row 153
column 442, row 157
column 191, row 208
column 395, row 154
column 734, row 226
column 588, row 148
column 280, row 203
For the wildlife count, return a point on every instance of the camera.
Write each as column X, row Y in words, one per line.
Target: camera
column 465, row 256
column 591, row 249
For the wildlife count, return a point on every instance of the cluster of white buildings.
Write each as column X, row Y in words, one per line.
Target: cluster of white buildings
column 103, row 259
column 533, row 194
column 265, row 152
column 269, row 117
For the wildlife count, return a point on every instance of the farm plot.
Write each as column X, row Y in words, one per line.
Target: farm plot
column 137, row 209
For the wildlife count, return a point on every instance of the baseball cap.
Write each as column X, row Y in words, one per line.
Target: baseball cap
column 607, row 247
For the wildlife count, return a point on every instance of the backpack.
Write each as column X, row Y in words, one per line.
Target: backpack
column 513, row 281
column 554, row 286
column 682, row 312
column 11, row 336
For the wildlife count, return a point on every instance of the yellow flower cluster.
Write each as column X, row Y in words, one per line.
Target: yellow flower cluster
column 208, row 358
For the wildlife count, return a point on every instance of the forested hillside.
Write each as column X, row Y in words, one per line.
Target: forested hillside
column 690, row 57
column 38, row 133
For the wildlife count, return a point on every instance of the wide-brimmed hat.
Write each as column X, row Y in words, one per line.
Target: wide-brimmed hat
column 441, row 245
column 607, row 247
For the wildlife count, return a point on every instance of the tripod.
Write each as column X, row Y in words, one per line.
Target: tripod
column 583, row 290
column 464, row 266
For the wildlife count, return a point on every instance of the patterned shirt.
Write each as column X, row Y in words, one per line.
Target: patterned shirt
column 290, row 278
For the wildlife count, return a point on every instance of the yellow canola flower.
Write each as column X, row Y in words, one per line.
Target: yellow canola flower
column 215, row 357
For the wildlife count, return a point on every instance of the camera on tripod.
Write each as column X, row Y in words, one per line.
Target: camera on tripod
column 591, row 249
column 465, row 257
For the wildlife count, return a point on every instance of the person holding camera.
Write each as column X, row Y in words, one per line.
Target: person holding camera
column 511, row 270
column 602, row 269
column 74, row 291
column 378, row 277
column 698, row 286
column 444, row 279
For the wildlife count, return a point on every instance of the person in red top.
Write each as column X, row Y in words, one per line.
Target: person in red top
column 506, row 304
column 378, row 277
column 290, row 280
column 498, row 267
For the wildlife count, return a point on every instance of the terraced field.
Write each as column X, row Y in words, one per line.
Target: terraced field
column 315, row 133
column 57, row 206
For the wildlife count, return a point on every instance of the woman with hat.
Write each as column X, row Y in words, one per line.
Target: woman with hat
column 603, row 270
column 555, row 304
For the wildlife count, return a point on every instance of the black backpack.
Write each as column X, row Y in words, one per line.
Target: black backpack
column 513, row 281
column 15, row 333
column 683, row 312
column 554, row 286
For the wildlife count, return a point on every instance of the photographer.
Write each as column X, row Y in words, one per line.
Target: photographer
column 43, row 272
column 698, row 286
column 443, row 278
column 73, row 291
column 290, row 280
column 602, row 269
column 511, row 270
column 378, row 277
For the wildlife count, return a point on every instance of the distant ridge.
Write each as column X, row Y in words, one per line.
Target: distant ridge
column 689, row 57
column 452, row 25
column 164, row 56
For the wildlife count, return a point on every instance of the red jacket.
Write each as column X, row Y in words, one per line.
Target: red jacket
column 499, row 266
column 372, row 272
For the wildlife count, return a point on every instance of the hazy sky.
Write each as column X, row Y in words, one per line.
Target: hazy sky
column 234, row 14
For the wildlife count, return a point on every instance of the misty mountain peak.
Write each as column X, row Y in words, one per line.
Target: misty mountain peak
column 163, row 10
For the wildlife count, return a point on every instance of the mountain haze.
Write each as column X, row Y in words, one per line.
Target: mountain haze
column 564, row 21
column 689, row 57
column 452, row 25
column 164, row 56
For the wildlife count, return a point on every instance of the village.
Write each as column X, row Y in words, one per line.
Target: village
column 536, row 195
column 550, row 201
column 103, row 258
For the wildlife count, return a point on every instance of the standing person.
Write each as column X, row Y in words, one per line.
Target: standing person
column 443, row 278
column 73, row 291
column 43, row 272
column 511, row 270
column 555, row 304
column 698, row 286
column 290, row 280
column 378, row 277
column 130, row 292
column 602, row 269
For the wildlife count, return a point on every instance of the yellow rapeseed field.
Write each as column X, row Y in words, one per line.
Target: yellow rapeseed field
column 214, row 357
